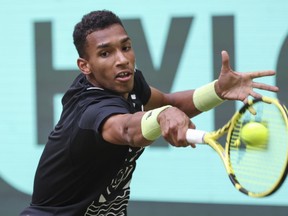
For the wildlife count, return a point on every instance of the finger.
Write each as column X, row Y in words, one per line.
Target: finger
column 255, row 94
column 265, row 87
column 181, row 138
column 245, row 101
column 264, row 73
column 225, row 62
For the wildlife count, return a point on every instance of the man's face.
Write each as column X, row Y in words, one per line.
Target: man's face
column 110, row 59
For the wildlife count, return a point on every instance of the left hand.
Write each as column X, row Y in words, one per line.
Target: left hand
column 233, row 85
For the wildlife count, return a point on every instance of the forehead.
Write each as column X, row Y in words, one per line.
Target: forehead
column 110, row 35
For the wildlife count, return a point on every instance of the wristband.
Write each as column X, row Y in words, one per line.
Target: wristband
column 149, row 124
column 205, row 97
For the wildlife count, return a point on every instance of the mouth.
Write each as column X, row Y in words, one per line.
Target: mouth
column 124, row 76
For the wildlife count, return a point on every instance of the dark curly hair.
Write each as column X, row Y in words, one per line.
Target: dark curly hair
column 93, row 21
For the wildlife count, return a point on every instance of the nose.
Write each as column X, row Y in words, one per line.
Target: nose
column 121, row 58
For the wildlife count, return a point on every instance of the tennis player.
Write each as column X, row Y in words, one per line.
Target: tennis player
column 110, row 114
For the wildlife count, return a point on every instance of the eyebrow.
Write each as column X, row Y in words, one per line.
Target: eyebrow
column 105, row 45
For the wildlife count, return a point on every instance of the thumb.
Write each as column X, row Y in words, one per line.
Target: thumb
column 225, row 62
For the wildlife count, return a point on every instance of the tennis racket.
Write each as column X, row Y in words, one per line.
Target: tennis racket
column 256, row 170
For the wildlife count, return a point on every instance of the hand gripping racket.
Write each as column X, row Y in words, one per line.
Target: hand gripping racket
column 255, row 169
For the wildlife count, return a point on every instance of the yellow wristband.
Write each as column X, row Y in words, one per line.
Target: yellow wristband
column 205, row 97
column 149, row 124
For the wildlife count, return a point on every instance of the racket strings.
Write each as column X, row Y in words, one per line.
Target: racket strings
column 258, row 168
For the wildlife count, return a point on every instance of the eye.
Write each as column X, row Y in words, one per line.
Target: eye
column 126, row 48
column 104, row 54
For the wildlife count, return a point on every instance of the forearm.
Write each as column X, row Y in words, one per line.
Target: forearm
column 193, row 102
column 131, row 131
column 125, row 129
column 184, row 101
column 139, row 129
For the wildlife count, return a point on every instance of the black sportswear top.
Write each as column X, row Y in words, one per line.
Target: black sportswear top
column 79, row 173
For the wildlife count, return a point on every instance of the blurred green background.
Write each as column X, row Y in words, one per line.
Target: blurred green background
column 177, row 45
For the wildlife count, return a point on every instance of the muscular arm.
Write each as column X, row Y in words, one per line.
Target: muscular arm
column 125, row 129
column 182, row 100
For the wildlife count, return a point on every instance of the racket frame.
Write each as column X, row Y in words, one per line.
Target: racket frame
column 211, row 138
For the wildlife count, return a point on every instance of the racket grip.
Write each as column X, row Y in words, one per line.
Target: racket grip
column 195, row 136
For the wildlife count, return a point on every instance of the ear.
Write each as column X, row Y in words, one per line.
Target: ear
column 84, row 66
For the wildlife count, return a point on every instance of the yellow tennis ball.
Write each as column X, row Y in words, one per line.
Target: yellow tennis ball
column 254, row 134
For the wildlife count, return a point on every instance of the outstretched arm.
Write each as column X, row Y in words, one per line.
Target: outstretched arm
column 231, row 85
